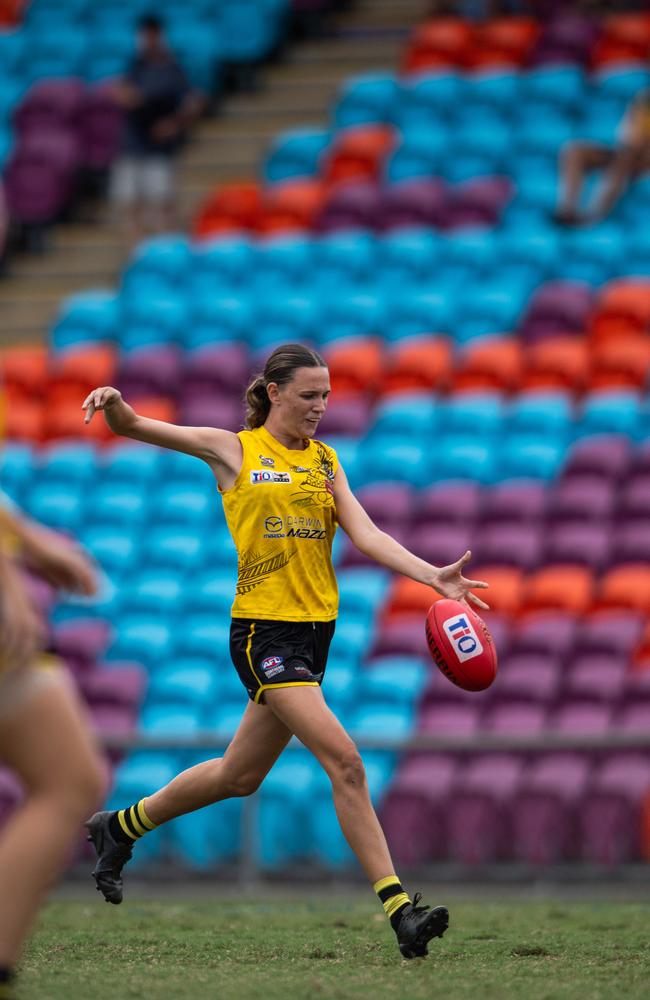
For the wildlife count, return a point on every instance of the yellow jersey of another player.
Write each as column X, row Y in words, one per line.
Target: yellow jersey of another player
column 282, row 517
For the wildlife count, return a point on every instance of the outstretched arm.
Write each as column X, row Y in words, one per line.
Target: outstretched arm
column 220, row 449
column 364, row 533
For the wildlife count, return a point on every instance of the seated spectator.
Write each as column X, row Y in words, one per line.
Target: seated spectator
column 620, row 164
column 160, row 106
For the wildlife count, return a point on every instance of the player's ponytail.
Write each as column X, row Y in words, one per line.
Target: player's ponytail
column 279, row 368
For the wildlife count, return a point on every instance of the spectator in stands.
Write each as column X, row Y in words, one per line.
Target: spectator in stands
column 620, row 165
column 160, row 106
column 44, row 737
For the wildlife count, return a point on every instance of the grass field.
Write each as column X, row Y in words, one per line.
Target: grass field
column 339, row 948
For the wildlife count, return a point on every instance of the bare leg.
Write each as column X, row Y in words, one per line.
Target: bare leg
column 305, row 713
column 577, row 159
column 255, row 747
column 616, row 178
column 46, row 742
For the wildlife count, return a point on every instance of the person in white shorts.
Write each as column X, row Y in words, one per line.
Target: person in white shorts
column 159, row 106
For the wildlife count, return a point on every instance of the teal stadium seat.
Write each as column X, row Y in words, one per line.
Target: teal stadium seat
column 87, row 317
column 472, row 413
column 429, row 99
column 419, row 313
column 285, row 811
column 420, row 154
column 72, row 463
column 594, row 255
column 116, row 548
column 363, row 590
column 119, row 505
column 211, row 592
column 287, row 259
column 143, row 638
column 59, row 505
column 185, row 504
column 560, row 86
column 348, row 316
column 55, row 50
column 249, row 29
column 221, row 266
column 408, row 256
column 17, row 469
column 461, row 457
column 161, row 263
column 217, row 318
column 371, row 97
column 610, row 413
column 141, row 774
column 171, row 720
column 393, row 680
column 295, row 153
column 345, row 260
column 204, row 636
column 405, row 416
column 152, row 590
column 385, row 461
column 150, row 320
column 172, row 548
column 526, row 456
column 110, row 50
column 190, row 683
column 547, row 414
column 281, row 318
column 129, row 464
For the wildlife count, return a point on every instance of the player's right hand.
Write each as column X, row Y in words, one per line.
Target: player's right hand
column 99, row 399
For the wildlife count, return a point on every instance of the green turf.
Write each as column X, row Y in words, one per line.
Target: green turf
column 338, row 948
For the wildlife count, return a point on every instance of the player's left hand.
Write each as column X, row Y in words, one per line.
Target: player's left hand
column 451, row 583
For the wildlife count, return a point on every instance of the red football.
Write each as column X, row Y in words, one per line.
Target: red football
column 461, row 645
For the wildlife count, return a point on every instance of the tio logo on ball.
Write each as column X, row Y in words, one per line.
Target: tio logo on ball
column 461, row 634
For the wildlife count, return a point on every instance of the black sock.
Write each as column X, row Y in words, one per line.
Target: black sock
column 6, row 979
column 128, row 825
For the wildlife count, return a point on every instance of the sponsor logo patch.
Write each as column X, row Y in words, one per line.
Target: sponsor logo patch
column 272, row 665
column 264, row 476
column 265, row 460
column 273, row 526
column 302, row 671
column 463, row 638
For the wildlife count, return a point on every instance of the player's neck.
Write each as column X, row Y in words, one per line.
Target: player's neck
column 286, row 438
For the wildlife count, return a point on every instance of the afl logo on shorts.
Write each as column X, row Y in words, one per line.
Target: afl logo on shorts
column 463, row 638
column 265, row 476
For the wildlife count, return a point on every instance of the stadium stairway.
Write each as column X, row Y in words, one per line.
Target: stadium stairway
column 299, row 90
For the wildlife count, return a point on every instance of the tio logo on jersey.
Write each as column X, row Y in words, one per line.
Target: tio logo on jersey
column 463, row 638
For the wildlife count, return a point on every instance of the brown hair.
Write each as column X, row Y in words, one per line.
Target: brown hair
column 280, row 367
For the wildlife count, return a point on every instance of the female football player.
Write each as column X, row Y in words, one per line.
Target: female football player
column 44, row 738
column 284, row 493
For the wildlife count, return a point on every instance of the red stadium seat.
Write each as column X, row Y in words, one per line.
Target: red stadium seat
column 625, row 38
column 506, row 587
column 355, row 365
column 359, row 153
column 623, row 307
column 559, row 588
column 292, row 206
column 494, row 364
column 437, row 44
column 24, row 367
column 408, row 597
column 231, row 208
column 83, row 369
column 625, row 587
column 504, row 41
column 24, row 419
column 421, row 364
column 621, row 363
column 557, row 363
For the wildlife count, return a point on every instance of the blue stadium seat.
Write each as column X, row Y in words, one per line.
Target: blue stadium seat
column 13, row 51
column 637, row 240
column 115, row 549
column 172, row 548
column 408, row 255
column 204, row 636
column 472, row 413
column 368, row 98
column 610, row 412
column 601, row 123
column 185, row 471
column 225, row 716
column 494, row 91
column 296, row 153
column 491, row 139
column 427, row 99
column 58, row 505
column 619, row 82
column 354, row 634
column 72, row 463
column 249, row 29
column 56, row 50
column 348, row 316
column 216, row 319
column 110, row 50
column 163, row 261
column 210, row 837
column 345, row 260
column 149, row 321
column 221, row 266
column 143, row 638
column 466, row 165
column 393, row 680
column 382, row 462
column 171, row 720
column 362, row 590
column 283, row 318
column 405, row 416
column 198, row 50
column 142, row 773
column 185, row 682
column 461, row 457
column 211, row 591
column 119, row 504
column 154, row 590
column 529, row 457
column 130, row 463
column 594, row 254
column 6, row 142
column 285, row 801
column 545, row 137
column 548, row 414
column 285, row 259
column 420, row 154
column 184, row 504
column 557, row 86
column 86, row 317
column 473, row 250
column 340, row 687
column 528, row 253
column 17, row 469
column 418, row 313
column 490, row 308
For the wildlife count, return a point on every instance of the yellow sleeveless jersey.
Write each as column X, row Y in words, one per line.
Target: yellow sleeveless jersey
column 282, row 517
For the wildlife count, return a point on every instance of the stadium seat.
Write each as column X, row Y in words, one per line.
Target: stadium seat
column 297, row 153
column 620, row 364
column 355, row 364
column 610, row 413
column 413, row 808
column 625, row 588
column 517, row 501
column 557, row 363
column 621, row 308
column 451, row 503
column 518, row 545
column 358, row 153
column 291, row 206
column 403, row 416
column 368, row 98
column 545, row 812
column 441, row 43
column 479, row 820
column 607, row 456
column 559, row 588
column 581, row 500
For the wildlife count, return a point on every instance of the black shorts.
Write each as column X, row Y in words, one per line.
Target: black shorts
column 279, row 654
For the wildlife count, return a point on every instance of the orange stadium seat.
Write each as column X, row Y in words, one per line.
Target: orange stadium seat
column 355, row 365
column 441, row 43
column 421, row 364
column 625, row 38
column 504, row 41
column 25, row 367
column 232, row 207
column 625, row 587
column 81, row 370
column 622, row 308
column 24, row 420
column 557, row 363
column 408, row 597
column 65, row 420
column 559, row 588
column 506, row 587
column 291, row 206
column 495, row 364
column 622, row 363
column 359, row 153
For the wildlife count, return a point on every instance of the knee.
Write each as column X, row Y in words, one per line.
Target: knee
column 239, row 785
column 348, row 770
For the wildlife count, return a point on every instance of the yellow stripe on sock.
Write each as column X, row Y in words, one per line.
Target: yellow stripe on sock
column 383, row 883
column 122, row 822
column 144, row 819
column 135, row 822
column 395, row 902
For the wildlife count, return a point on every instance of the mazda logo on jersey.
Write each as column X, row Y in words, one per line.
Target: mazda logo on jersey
column 266, row 476
column 273, row 524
